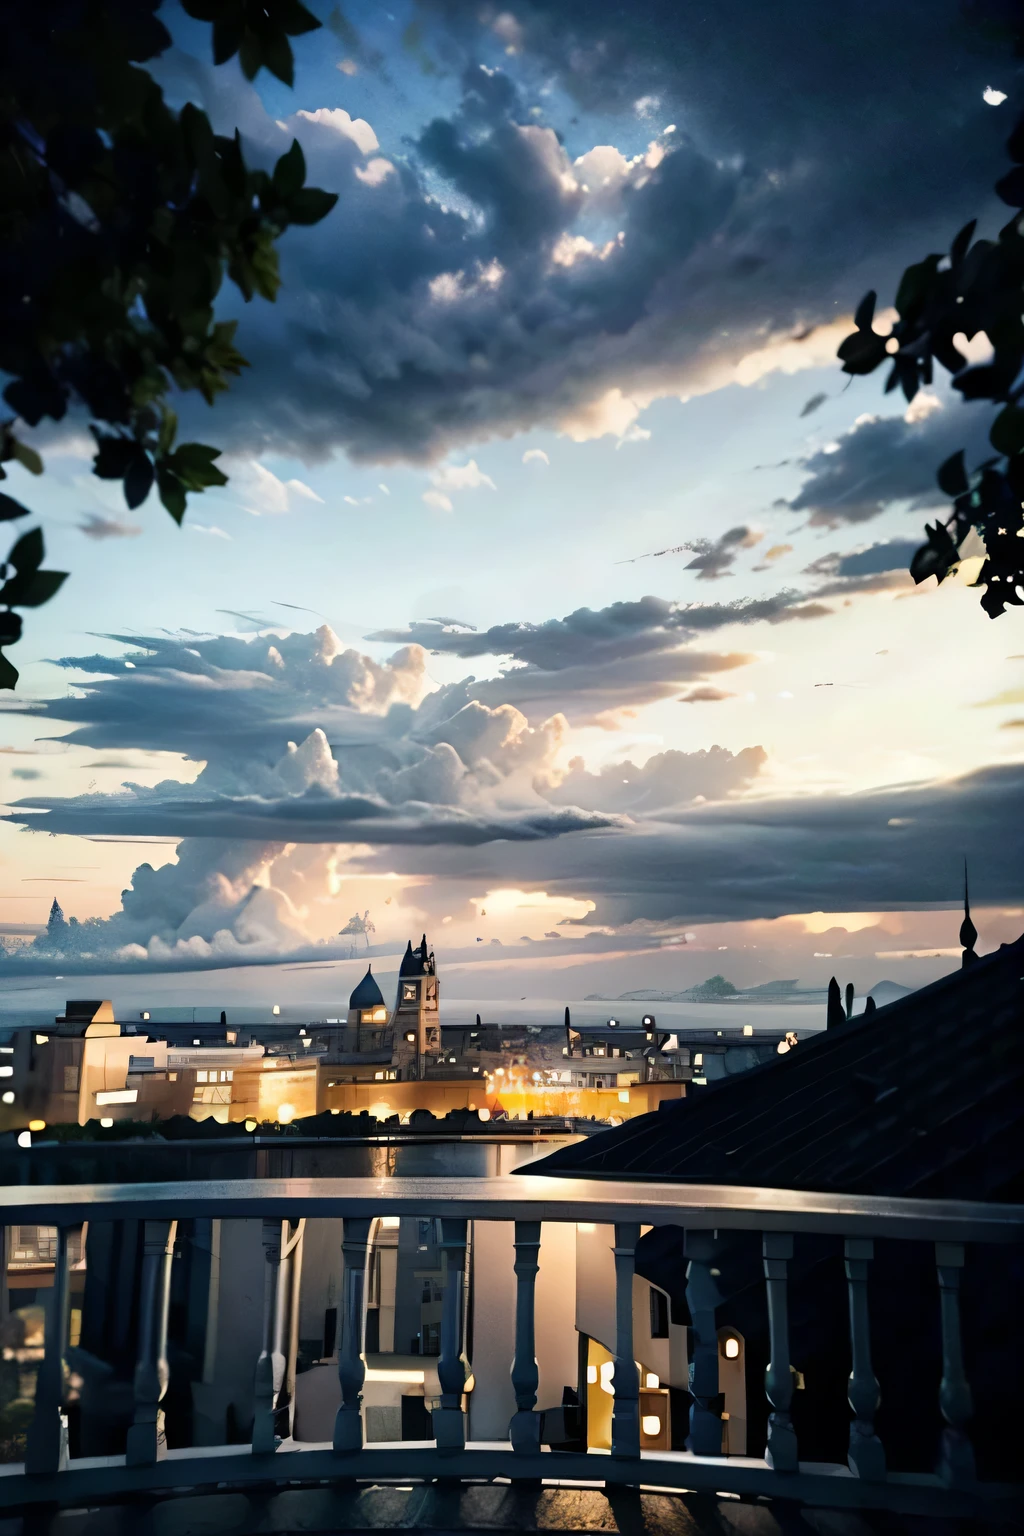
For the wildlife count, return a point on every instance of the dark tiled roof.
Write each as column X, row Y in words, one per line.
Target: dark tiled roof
column 923, row 1097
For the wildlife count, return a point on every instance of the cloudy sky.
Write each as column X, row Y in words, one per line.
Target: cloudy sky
column 557, row 600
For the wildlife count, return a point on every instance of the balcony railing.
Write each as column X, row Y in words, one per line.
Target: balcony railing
column 48, row 1475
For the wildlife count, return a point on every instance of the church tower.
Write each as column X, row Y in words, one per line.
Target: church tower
column 416, row 1020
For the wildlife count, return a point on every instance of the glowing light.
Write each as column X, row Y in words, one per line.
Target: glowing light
column 37, row 1125
column 106, row 1122
column 389, row 1223
column 536, row 1077
column 6, row 1071
column 991, row 97
column 145, row 1017
column 24, row 1138
column 484, row 1114
column 414, row 1378
column 624, row 1096
column 42, row 1039
column 250, row 1126
column 782, row 1047
column 652, row 1380
column 8, row 1097
column 285, row 1114
column 591, row 1375
column 651, row 1424
column 607, row 1372
column 732, row 1349
column 748, row 1029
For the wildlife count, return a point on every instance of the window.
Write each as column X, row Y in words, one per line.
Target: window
column 748, row 1029
column 70, row 1079
column 211, row 1094
column 117, row 1096
column 410, row 992
column 659, row 1314
column 227, row 1075
column 202, row 1076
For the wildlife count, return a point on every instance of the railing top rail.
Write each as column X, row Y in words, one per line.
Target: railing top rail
column 535, row 1198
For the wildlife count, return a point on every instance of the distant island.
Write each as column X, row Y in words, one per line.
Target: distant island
column 717, row 989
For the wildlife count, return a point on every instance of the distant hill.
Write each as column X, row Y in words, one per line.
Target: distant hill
column 888, row 992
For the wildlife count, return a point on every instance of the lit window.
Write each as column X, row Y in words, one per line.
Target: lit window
column 277, row 1010
column 591, row 1375
column 8, row 1097
column 6, row 1071
column 748, row 1029
column 698, row 1059
column 146, row 1017
column 197, row 1042
column 731, row 1348
column 232, row 1037
column 607, row 1372
column 118, row 1096
column 410, row 1036
column 106, row 1122
column 408, row 992
column 202, row 1076
column 651, row 1424
column 651, row 1380
column 42, row 1039
column 378, row 1077
column 623, row 1095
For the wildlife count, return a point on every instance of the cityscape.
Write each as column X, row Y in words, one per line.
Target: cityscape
column 511, row 901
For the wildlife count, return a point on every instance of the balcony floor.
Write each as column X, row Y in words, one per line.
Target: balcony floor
column 488, row 1509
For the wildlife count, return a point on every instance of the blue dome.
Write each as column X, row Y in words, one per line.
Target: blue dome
column 367, row 994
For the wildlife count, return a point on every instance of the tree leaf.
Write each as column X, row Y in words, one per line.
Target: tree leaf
column 8, row 673
column 936, row 558
column 113, row 456
column 1007, row 432
column 952, row 475
column 28, row 553
column 289, row 172
column 168, row 432
column 294, row 19
column 172, row 493
column 39, row 588
column 865, row 311
column 958, row 250
column 1011, row 187
column 27, row 457
column 310, row 205
column 278, row 57
column 138, row 480
column 10, row 509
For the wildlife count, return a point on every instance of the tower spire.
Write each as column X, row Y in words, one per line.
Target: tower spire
column 968, row 932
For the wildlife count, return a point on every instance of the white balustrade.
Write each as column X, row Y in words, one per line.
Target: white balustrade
column 705, row 1216
column 780, row 1452
column 866, row 1457
column 524, row 1429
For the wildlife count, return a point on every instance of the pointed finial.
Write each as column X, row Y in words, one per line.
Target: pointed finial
column 835, row 1014
column 869, row 1004
column 968, row 932
column 849, row 999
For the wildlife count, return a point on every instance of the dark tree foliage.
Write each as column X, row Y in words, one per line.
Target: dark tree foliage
column 118, row 221
column 978, row 286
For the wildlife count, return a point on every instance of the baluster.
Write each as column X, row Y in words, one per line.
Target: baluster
column 524, row 1429
column 866, row 1456
column 270, row 1365
column 625, row 1378
column 147, row 1442
column 449, row 1420
column 348, row 1423
column 702, row 1297
column 957, row 1457
column 781, row 1451
column 46, row 1451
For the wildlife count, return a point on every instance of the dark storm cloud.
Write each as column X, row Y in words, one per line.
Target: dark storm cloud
column 886, row 459
column 800, row 172
column 307, row 819
column 889, row 849
column 598, row 660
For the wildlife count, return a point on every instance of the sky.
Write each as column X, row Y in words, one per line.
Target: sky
column 557, row 602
